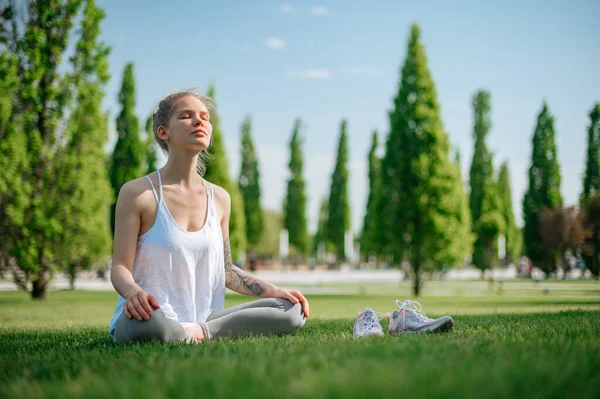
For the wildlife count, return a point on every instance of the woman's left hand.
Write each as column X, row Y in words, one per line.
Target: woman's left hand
column 294, row 296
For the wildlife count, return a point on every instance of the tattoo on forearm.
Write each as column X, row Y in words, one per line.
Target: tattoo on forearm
column 238, row 280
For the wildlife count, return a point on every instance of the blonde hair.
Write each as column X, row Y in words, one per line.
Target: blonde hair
column 164, row 111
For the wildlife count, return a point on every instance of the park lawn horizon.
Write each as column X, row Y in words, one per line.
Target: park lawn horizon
column 65, row 309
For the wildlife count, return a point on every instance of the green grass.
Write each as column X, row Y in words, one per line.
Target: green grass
column 502, row 346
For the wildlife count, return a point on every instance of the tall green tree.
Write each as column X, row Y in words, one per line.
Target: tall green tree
column 217, row 172
column 268, row 245
column 590, row 221
column 151, row 147
column 591, row 176
column 127, row 160
column 425, row 199
column 458, row 159
column 320, row 236
column 482, row 170
column 84, row 185
column 14, row 191
column 543, row 190
column 590, row 196
column 511, row 230
column 464, row 213
column 369, row 237
column 488, row 228
column 294, row 207
column 338, row 221
column 249, row 183
column 484, row 203
column 34, row 42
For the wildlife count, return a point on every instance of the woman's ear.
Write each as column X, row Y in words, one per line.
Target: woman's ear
column 162, row 134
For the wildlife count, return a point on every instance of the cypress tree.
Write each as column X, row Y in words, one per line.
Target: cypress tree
column 250, row 185
column 511, row 231
column 217, row 172
column 590, row 196
column 543, row 190
column 320, row 236
column 423, row 190
column 464, row 214
column 590, row 221
column 14, row 191
column 127, row 160
column 481, row 171
column 268, row 245
column 369, row 237
column 151, row 147
column 338, row 221
column 84, row 185
column 487, row 229
column 35, row 44
column 483, row 201
column 294, row 208
column 591, row 176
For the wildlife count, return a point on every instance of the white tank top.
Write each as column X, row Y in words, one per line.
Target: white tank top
column 184, row 270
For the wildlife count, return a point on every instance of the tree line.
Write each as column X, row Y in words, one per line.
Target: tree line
column 58, row 187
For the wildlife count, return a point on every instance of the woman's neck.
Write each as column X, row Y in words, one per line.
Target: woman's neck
column 181, row 169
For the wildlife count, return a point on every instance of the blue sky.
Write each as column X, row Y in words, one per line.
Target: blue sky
column 327, row 60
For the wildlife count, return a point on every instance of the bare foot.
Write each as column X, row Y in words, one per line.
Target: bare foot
column 197, row 332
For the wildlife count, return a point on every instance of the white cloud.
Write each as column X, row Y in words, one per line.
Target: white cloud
column 319, row 11
column 274, row 43
column 309, row 73
column 286, row 8
column 369, row 71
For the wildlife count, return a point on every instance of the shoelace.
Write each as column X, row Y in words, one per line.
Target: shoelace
column 369, row 320
column 410, row 306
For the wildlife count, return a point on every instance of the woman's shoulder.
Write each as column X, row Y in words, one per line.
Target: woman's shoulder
column 222, row 198
column 219, row 192
column 137, row 189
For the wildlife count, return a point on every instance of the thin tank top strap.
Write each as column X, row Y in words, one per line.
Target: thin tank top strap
column 209, row 188
column 213, row 205
column 153, row 190
column 159, row 183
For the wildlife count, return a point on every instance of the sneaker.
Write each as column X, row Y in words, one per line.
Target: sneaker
column 408, row 320
column 367, row 323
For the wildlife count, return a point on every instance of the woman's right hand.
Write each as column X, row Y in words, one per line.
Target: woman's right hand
column 139, row 304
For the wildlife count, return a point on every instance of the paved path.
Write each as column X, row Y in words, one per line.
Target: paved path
column 314, row 278
column 310, row 280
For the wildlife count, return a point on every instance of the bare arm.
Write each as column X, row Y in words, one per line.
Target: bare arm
column 239, row 281
column 138, row 303
column 127, row 226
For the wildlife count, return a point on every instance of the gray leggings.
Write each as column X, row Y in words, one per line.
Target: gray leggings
column 272, row 316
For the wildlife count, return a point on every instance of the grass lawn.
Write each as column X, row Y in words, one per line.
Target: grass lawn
column 502, row 346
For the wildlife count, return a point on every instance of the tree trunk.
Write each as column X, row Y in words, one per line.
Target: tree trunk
column 565, row 264
column 38, row 290
column 491, row 254
column 417, row 270
column 72, row 270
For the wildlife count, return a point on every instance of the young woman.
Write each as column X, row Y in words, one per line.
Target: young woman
column 172, row 258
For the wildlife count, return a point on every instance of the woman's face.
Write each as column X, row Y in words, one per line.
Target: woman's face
column 189, row 126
